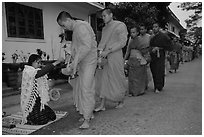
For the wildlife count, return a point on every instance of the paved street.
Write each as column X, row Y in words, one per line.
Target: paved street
column 175, row 111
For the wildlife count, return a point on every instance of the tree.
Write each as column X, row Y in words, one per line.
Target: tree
column 195, row 32
column 197, row 16
column 135, row 13
column 163, row 13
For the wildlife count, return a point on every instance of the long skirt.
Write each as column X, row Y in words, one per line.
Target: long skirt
column 137, row 77
column 37, row 117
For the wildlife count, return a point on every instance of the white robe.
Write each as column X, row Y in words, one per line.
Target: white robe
column 85, row 58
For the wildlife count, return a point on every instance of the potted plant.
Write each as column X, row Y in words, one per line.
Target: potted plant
column 15, row 56
column 3, row 56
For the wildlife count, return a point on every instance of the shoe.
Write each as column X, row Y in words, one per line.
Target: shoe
column 170, row 71
column 99, row 109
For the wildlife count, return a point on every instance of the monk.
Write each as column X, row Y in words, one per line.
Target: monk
column 111, row 80
column 84, row 53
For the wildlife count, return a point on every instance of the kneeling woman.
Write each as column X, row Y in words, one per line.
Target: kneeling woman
column 34, row 92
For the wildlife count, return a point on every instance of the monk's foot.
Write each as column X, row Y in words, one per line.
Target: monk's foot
column 100, row 109
column 120, row 105
column 85, row 125
column 82, row 118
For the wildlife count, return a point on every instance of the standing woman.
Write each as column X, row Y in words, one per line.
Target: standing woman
column 34, row 92
column 112, row 77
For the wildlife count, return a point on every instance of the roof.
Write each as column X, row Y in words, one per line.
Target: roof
column 96, row 4
column 174, row 19
column 172, row 34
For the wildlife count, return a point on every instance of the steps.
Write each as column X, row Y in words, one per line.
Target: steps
column 8, row 91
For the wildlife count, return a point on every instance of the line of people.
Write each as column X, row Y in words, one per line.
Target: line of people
column 144, row 53
column 179, row 54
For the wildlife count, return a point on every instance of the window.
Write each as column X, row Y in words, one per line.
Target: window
column 24, row 21
column 173, row 29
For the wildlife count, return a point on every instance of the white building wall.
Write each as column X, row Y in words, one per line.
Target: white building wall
column 51, row 30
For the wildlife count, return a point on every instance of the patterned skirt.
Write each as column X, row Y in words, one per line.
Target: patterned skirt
column 37, row 117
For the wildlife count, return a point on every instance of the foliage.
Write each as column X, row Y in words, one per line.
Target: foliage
column 43, row 54
column 163, row 12
column 15, row 56
column 135, row 13
column 23, row 57
column 132, row 12
column 195, row 32
column 20, row 55
column 3, row 56
column 192, row 6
